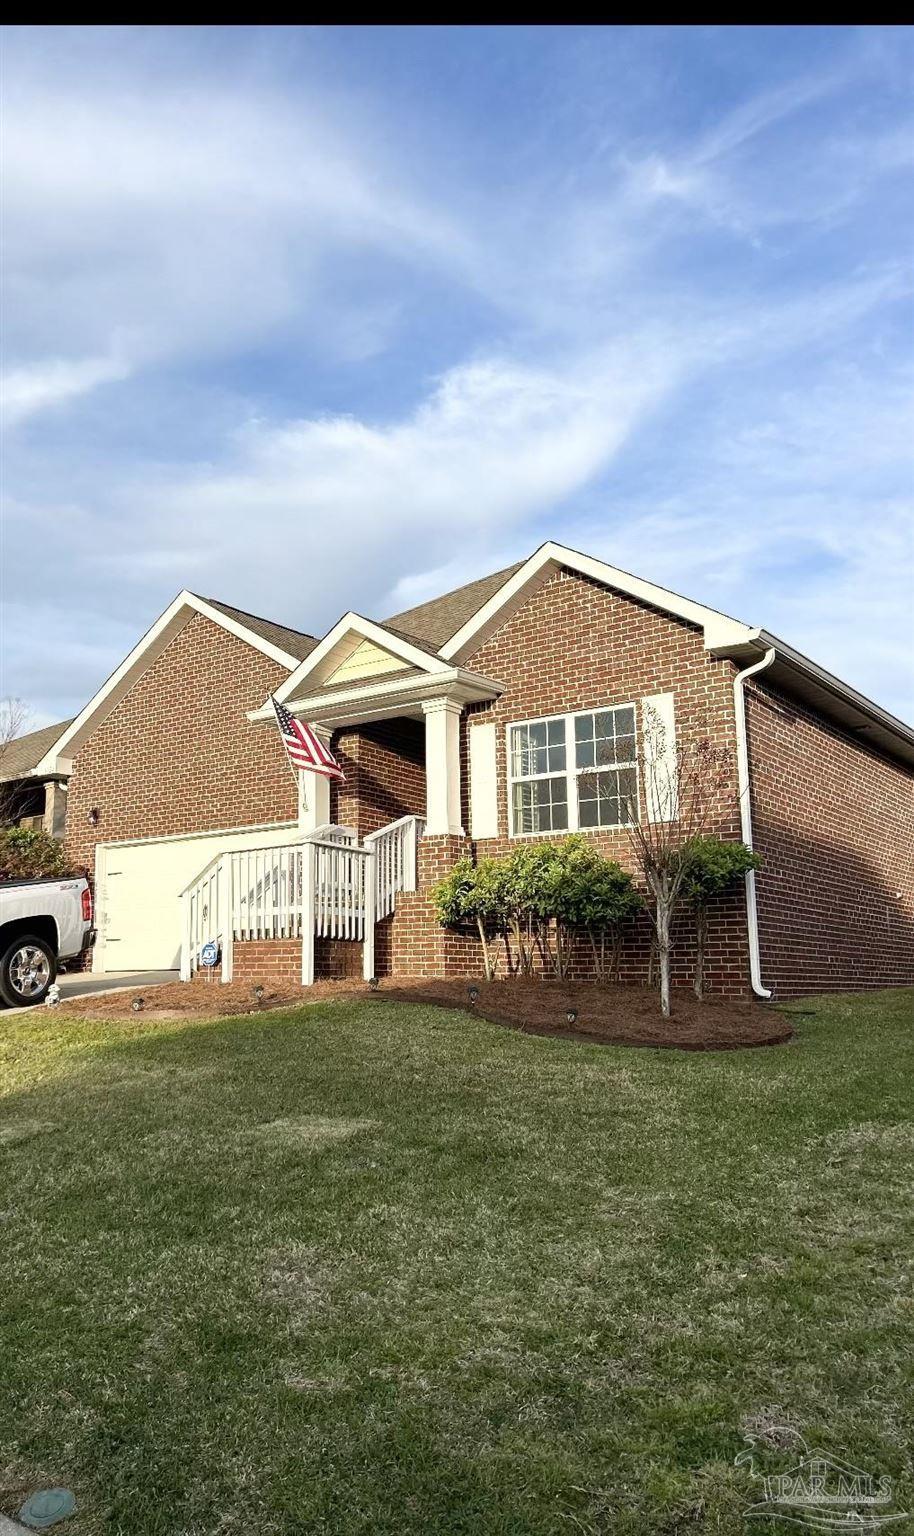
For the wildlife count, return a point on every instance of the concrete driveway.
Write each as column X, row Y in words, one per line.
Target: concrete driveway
column 81, row 983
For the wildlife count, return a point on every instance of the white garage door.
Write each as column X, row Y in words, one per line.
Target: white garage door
column 138, row 889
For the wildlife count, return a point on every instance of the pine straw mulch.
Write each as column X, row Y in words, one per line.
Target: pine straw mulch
column 612, row 1015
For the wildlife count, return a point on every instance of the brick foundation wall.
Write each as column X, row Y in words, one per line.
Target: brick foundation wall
column 834, row 823
column 277, row 962
column 177, row 754
column 384, row 764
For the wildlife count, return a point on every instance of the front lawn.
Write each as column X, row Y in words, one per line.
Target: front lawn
column 384, row 1269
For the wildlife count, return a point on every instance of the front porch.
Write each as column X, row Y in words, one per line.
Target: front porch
column 369, row 846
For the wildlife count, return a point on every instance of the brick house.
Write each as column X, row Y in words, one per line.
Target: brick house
column 462, row 725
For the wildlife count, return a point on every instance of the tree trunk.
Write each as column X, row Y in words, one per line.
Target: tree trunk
column 663, row 944
column 701, row 939
column 488, row 963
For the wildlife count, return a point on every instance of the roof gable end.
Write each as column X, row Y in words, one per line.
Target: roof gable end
column 59, row 757
column 358, row 648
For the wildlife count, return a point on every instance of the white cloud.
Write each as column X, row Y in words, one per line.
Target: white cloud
column 25, row 391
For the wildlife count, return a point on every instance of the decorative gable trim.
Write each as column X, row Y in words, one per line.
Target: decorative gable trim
column 366, row 660
column 342, row 642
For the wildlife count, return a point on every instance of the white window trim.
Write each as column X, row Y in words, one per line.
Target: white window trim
column 570, row 775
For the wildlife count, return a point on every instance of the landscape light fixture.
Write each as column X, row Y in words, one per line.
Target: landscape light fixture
column 138, row 1004
column 473, row 993
column 572, row 1015
column 258, row 992
column 373, row 983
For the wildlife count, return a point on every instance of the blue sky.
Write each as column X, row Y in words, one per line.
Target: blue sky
column 310, row 319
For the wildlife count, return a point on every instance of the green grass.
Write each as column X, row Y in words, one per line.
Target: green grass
column 381, row 1269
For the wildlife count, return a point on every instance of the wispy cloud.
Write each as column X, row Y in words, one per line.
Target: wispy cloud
column 306, row 332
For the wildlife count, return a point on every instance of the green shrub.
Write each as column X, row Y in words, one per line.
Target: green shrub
column 535, row 897
column 713, row 866
column 26, row 853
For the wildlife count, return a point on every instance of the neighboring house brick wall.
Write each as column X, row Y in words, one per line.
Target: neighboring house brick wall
column 574, row 645
column 834, row 824
column 177, row 754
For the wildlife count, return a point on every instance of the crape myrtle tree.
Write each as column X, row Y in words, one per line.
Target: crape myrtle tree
column 681, row 783
column 714, row 866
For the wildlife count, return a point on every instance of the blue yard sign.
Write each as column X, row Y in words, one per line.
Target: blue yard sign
column 209, row 954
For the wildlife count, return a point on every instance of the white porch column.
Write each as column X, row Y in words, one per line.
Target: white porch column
column 313, row 800
column 314, row 793
column 442, row 767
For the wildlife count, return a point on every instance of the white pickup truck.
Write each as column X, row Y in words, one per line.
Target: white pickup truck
column 41, row 923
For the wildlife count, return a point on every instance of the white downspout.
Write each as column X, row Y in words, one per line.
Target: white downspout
column 745, row 814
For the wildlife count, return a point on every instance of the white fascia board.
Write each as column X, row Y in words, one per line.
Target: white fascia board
column 842, row 690
column 719, row 629
column 144, row 653
column 363, row 629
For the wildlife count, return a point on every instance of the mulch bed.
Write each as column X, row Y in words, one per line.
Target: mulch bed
column 605, row 1015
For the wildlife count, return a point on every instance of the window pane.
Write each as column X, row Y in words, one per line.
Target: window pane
column 540, row 806
column 603, row 798
column 628, row 793
column 583, row 727
column 557, row 759
column 537, row 748
column 584, row 754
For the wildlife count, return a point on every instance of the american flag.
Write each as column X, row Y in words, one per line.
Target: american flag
column 304, row 746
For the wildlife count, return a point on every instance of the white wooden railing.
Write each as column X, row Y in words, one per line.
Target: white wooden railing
column 324, row 886
column 395, row 848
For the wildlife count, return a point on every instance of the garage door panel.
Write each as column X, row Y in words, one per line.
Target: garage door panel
column 139, row 894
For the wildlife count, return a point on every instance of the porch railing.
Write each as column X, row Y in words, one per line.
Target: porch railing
column 395, row 848
column 325, row 886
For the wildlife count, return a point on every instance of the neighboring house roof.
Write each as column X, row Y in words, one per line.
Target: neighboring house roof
column 21, row 755
column 434, row 622
column 295, row 641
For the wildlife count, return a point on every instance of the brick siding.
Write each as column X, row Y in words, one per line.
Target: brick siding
column 574, row 645
column 177, row 754
column 384, row 764
column 834, row 823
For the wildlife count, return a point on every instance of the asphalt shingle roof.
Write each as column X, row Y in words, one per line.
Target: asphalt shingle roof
column 293, row 641
column 433, row 623
column 19, row 756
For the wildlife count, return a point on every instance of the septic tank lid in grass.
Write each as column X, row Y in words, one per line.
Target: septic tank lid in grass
column 46, row 1507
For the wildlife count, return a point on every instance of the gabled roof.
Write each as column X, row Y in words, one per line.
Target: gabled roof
column 21, row 755
column 272, row 640
column 294, row 641
column 434, row 622
column 347, row 632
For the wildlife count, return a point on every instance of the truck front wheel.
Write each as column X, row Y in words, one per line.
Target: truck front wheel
column 27, row 969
